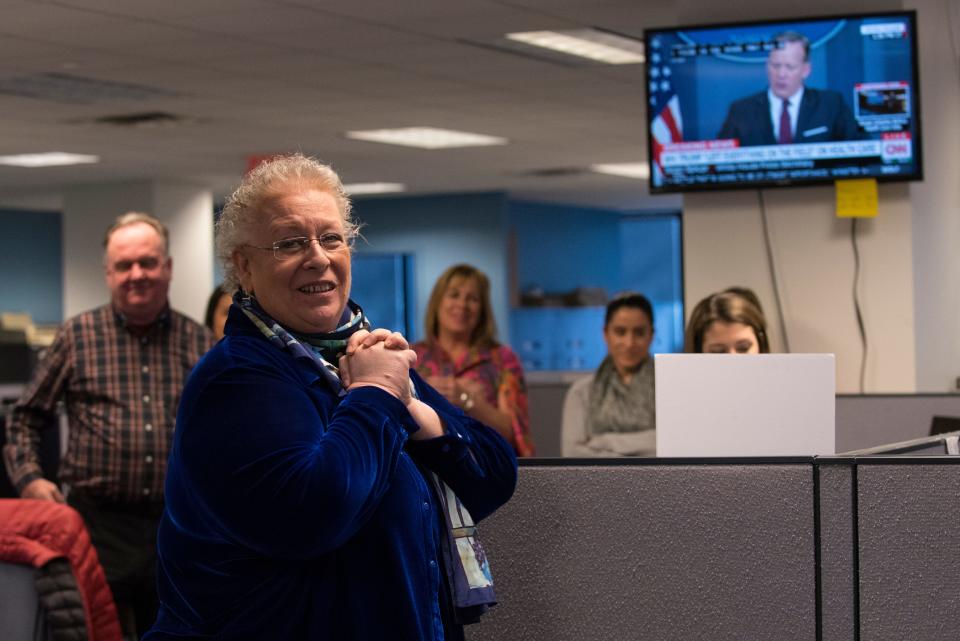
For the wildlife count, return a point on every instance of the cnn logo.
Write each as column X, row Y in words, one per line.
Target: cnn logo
column 896, row 149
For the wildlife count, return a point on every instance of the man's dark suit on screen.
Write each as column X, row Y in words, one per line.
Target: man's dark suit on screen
column 823, row 117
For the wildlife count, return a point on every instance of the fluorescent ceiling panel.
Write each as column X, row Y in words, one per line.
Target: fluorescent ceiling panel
column 625, row 169
column 592, row 44
column 48, row 159
column 357, row 189
column 426, row 137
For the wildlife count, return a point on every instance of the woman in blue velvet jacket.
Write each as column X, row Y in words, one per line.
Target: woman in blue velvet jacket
column 317, row 487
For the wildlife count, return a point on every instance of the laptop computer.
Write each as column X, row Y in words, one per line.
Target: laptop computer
column 711, row 405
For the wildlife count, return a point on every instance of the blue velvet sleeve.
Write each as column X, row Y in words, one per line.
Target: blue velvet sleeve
column 282, row 469
column 476, row 462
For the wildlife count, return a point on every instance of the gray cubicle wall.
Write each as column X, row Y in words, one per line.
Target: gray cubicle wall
column 19, row 608
column 837, row 540
column 545, row 396
column 655, row 550
column 869, row 420
column 862, row 420
column 908, row 544
column 827, row 549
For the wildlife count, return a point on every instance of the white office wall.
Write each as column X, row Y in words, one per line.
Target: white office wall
column 812, row 254
column 936, row 200
column 45, row 201
column 911, row 280
column 90, row 209
column 187, row 210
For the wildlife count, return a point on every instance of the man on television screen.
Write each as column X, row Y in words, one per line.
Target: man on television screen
column 788, row 112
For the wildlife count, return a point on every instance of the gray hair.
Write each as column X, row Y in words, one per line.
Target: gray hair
column 132, row 218
column 784, row 38
column 267, row 181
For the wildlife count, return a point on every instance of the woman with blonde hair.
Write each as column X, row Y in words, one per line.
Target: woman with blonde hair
column 462, row 359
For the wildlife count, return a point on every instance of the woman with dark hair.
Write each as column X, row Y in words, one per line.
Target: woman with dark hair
column 217, row 307
column 462, row 359
column 728, row 322
column 611, row 413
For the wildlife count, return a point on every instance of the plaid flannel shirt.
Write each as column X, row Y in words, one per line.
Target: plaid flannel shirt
column 121, row 390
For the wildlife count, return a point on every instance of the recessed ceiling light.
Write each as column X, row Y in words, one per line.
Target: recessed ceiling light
column 357, row 189
column 48, row 159
column 626, row 169
column 426, row 137
column 593, row 44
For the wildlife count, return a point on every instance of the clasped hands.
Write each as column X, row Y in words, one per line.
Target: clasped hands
column 383, row 359
column 378, row 358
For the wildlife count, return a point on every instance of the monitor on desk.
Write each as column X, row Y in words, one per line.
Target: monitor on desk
column 711, row 405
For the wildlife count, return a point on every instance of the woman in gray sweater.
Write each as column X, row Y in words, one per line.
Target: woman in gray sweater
column 611, row 413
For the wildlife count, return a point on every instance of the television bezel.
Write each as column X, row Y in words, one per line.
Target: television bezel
column 916, row 175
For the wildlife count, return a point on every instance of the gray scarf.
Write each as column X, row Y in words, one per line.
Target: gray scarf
column 616, row 406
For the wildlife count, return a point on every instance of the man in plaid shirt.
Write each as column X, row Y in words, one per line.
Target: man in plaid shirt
column 119, row 370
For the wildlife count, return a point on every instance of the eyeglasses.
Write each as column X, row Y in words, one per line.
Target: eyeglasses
column 288, row 248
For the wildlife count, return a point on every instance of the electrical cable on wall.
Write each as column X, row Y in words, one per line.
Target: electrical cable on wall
column 856, row 303
column 773, row 271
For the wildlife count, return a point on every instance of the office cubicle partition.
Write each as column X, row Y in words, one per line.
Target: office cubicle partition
column 789, row 549
column 835, row 527
column 909, row 568
column 659, row 549
column 862, row 420
column 870, row 420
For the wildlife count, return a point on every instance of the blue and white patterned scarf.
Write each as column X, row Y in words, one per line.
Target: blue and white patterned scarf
column 323, row 350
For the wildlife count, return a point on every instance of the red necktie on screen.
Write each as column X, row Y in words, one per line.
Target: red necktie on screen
column 785, row 136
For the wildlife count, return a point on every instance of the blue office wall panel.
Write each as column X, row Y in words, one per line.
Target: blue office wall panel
column 650, row 255
column 380, row 288
column 31, row 261
column 555, row 338
column 439, row 231
column 557, row 248
column 560, row 247
column 564, row 250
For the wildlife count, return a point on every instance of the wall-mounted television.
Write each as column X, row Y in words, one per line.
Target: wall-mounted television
column 786, row 102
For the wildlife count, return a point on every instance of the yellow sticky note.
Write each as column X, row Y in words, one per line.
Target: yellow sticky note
column 857, row 198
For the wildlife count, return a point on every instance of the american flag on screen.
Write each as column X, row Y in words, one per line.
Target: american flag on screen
column 667, row 124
